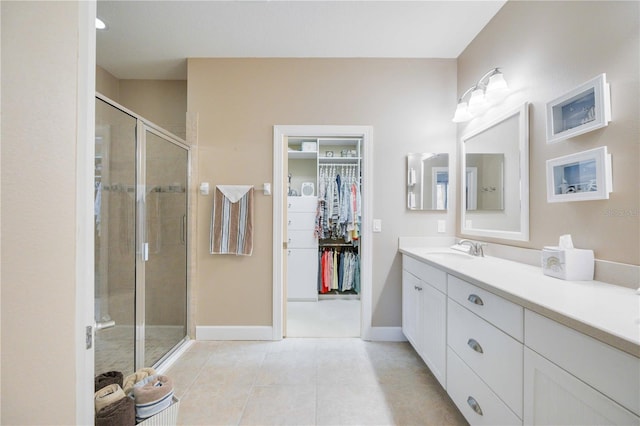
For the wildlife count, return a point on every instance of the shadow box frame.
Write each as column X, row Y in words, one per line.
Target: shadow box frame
column 581, row 110
column 581, row 176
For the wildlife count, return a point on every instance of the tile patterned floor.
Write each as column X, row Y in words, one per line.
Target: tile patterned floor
column 324, row 318
column 308, row 382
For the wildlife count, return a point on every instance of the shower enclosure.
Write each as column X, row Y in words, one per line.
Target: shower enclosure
column 141, row 199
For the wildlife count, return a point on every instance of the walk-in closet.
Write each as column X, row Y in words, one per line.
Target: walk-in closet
column 323, row 226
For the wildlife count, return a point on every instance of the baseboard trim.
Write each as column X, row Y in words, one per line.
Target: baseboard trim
column 234, row 332
column 385, row 334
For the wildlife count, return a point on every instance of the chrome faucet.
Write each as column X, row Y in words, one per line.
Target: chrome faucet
column 475, row 248
column 471, row 244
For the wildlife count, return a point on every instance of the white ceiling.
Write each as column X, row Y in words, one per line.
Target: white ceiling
column 151, row 39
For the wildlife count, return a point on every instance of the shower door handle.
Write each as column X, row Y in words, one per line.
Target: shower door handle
column 183, row 229
column 145, row 251
column 104, row 324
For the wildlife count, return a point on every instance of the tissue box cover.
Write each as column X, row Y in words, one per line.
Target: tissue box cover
column 308, row 146
column 568, row 264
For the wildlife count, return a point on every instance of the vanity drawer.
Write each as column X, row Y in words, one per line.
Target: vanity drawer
column 607, row 369
column 503, row 314
column 301, row 239
column 490, row 353
column 302, row 204
column 477, row 403
column 301, row 220
column 432, row 276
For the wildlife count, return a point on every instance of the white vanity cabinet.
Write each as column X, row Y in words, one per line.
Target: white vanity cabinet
column 484, row 338
column 424, row 313
column 507, row 365
column 302, row 249
column 573, row 379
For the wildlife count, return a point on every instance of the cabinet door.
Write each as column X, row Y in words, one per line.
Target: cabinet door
column 411, row 300
column 302, row 204
column 554, row 397
column 301, row 220
column 302, row 274
column 434, row 348
column 304, row 238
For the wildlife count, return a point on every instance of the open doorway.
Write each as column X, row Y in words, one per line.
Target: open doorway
column 322, row 241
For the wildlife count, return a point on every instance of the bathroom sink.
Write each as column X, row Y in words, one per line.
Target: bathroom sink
column 448, row 255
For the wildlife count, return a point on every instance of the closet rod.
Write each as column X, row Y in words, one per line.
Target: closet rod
column 337, row 245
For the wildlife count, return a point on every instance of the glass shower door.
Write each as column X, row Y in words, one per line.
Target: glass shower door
column 165, row 268
column 115, row 253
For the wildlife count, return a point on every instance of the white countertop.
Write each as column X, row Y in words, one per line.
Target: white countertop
column 607, row 312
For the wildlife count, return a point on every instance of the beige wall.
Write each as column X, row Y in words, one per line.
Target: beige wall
column 39, row 138
column 163, row 102
column 408, row 103
column 546, row 49
column 107, row 84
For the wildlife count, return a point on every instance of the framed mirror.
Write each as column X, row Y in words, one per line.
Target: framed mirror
column 428, row 181
column 495, row 178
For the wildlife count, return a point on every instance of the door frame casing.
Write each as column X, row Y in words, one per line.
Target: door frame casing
column 280, row 133
column 84, row 209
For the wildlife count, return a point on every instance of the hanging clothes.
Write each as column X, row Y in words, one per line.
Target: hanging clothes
column 338, row 214
column 339, row 270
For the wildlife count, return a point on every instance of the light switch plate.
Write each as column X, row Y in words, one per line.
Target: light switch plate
column 442, row 226
column 377, row 225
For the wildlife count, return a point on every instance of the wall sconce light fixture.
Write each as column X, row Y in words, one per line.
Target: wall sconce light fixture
column 490, row 88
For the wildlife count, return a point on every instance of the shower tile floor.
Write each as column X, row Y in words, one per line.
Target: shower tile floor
column 114, row 346
column 308, row 381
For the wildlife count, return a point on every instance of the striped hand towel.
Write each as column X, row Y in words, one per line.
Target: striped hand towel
column 232, row 220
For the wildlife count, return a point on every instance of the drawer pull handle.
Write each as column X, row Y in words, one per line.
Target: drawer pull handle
column 475, row 299
column 474, row 405
column 473, row 344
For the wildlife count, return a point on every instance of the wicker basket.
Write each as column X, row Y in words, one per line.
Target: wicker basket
column 167, row 417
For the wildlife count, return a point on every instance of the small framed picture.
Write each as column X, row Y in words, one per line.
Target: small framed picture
column 582, row 176
column 581, row 110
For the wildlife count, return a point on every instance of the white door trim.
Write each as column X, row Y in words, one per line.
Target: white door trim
column 366, row 250
column 85, row 170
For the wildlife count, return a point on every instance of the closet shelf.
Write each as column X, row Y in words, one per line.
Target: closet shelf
column 302, row 155
column 339, row 160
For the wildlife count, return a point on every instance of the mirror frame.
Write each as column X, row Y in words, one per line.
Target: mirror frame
column 522, row 112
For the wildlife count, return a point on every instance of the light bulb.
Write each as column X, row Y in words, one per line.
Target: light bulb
column 100, row 25
column 496, row 88
column 477, row 102
column 497, row 83
column 462, row 113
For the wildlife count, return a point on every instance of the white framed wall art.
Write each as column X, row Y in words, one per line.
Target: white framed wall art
column 582, row 176
column 581, row 110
